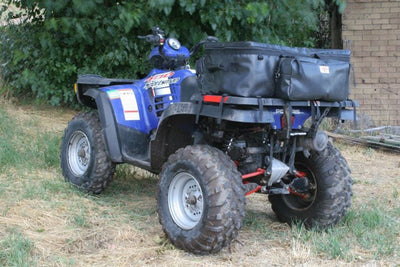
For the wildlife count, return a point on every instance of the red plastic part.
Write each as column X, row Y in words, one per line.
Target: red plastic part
column 283, row 121
column 214, row 98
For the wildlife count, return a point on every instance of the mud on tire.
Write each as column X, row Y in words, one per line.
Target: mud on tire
column 200, row 199
column 329, row 173
column 84, row 160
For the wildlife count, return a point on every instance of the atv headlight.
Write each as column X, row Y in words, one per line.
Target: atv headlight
column 174, row 43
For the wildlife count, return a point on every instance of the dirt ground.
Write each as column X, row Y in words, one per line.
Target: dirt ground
column 120, row 240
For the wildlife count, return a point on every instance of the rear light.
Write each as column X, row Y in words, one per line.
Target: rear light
column 214, row 98
column 283, row 121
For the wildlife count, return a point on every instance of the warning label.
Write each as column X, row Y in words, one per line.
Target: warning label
column 128, row 101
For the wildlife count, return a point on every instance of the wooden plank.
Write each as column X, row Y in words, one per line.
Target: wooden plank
column 392, row 136
column 382, row 139
column 359, row 141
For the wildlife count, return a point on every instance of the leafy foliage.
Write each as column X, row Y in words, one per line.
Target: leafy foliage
column 57, row 40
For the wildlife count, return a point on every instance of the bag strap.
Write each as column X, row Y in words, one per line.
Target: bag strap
column 260, row 108
column 317, row 118
column 278, row 69
column 221, row 108
column 199, row 102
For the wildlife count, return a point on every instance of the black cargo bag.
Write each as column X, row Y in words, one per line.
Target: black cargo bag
column 237, row 74
column 238, row 68
column 248, row 68
column 306, row 78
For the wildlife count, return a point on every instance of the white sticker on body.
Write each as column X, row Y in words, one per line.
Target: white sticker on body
column 113, row 94
column 129, row 104
column 158, row 91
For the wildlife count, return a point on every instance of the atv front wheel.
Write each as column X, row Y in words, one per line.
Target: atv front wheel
column 200, row 199
column 84, row 160
column 329, row 191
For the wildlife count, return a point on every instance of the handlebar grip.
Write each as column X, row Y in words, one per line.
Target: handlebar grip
column 150, row 38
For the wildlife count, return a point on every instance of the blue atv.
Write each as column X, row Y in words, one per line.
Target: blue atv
column 245, row 121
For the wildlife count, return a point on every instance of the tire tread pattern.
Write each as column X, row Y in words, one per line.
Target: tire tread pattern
column 335, row 191
column 224, row 197
column 101, row 173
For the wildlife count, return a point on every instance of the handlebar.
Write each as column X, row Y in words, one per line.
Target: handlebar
column 158, row 38
column 152, row 38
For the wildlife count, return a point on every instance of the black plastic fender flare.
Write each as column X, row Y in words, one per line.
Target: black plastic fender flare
column 108, row 123
column 228, row 112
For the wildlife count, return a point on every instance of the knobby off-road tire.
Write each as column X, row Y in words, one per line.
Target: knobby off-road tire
column 84, row 160
column 201, row 199
column 329, row 174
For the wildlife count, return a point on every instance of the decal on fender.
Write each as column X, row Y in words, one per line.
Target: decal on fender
column 128, row 102
column 159, row 83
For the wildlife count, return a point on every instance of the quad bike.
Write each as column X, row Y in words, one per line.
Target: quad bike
column 210, row 148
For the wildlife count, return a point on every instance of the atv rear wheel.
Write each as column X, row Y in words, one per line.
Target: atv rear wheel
column 200, row 199
column 329, row 196
column 84, row 160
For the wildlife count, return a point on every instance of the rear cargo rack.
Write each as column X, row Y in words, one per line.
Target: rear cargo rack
column 266, row 110
column 249, row 101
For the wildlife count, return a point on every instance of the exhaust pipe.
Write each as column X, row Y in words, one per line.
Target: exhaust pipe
column 318, row 143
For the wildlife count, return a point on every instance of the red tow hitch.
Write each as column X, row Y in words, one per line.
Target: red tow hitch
column 303, row 196
column 299, row 175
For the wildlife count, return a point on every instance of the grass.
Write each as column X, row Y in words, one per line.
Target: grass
column 47, row 222
column 8, row 153
column 25, row 150
column 16, row 250
column 370, row 228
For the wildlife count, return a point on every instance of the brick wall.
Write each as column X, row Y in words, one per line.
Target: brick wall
column 371, row 29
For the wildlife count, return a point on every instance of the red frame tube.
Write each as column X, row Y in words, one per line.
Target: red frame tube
column 253, row 174
column 253, row 191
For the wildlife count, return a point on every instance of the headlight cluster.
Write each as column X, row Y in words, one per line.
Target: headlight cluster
column 174, row 43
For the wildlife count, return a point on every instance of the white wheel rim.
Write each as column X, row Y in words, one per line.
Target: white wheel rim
column 78, row 153
column 185, row 200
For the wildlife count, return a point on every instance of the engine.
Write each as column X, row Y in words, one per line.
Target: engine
column 248, row 149
column 262, row 153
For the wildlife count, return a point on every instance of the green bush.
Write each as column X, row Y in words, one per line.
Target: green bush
column 58, row 40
